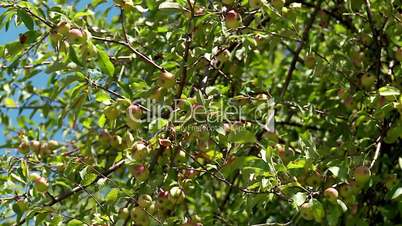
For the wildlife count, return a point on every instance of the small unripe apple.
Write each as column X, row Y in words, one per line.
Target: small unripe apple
column 166, row 80
column 133, row 123
column 314, row 179
column 124, row 213
column 144, row 201
column 140, row 151
column 309, row 61
column 255, row 3
column 53, row 144
column 116, row 141
column 105, row 137
column 331, row 194
column 232, row 19
column 278, row 4
column 75, row 35
column 368, row 81
column 164, row 204
column 398, row 54
column 139, row 216
column 63, row 28
column 181, row 157
column 306, row 211
column 223, row 56
column 357, row 58
column 176, row 195
column 134, row 111
column 140, row 172
column 362, row 174
column 24, row 147
column 40, row 182
column 228, row 2
column 157, row 94
column 111, row 112
column 35, row 146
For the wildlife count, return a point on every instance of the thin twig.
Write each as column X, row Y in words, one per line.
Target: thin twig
column 306, row 31
column 187, row 44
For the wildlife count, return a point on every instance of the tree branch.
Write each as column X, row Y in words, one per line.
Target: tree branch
column 79, row 188
column 299, row 49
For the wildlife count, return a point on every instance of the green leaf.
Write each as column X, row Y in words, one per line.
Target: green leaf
column 10, row 103
column 170, row 5
column 87, row 178
column 342, row 205
column 242, row 136
column 397, row 193
column 105, row 64
column 102, row 120
column 157, row 125
column 103, row 97
column 389, row 91
column 299, row 198
column 297, row 164
column 26, row 19
column 318, row 211
column 75, row 222
column 112, row 195
column 73, row 56
column 24, row 167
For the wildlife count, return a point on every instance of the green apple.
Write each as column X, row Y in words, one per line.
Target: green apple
column 228, row 2
column 145, row 201
column 63, row 28
column 140, row 172
column 53, row 144
column 116, row 141
column 362, row 174
column 176, row 195
column 140, row 151
column 306, row 211
column 232, row 19
column 157, row 93
column 398, row 54
column 124, row 213
column 309, row 61
column 166, row 80
column 223, row 56
column 278, row 4
column 331, row 194
column 111, row 112
column 76, row 35
column 132, row 123
column 24, row 147
column 134, row 111
column 139, row 216
column 35, row 146
column 255, row 4
column 368, row 81
column 40, row 182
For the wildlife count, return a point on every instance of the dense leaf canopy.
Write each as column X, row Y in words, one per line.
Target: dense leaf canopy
column 196, row 112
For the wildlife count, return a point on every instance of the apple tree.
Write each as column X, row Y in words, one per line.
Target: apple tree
column 200, row 112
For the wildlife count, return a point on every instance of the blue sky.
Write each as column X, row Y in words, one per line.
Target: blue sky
column 39, row 80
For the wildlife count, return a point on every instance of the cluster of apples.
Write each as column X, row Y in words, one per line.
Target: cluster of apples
column 40, row 183
column 361, row 176
column 165, row 82
column 233, row 18
column 41, row 148
column 166, row 201
column 64, row 34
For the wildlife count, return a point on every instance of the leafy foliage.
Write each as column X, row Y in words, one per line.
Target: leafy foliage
column 84, row 151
